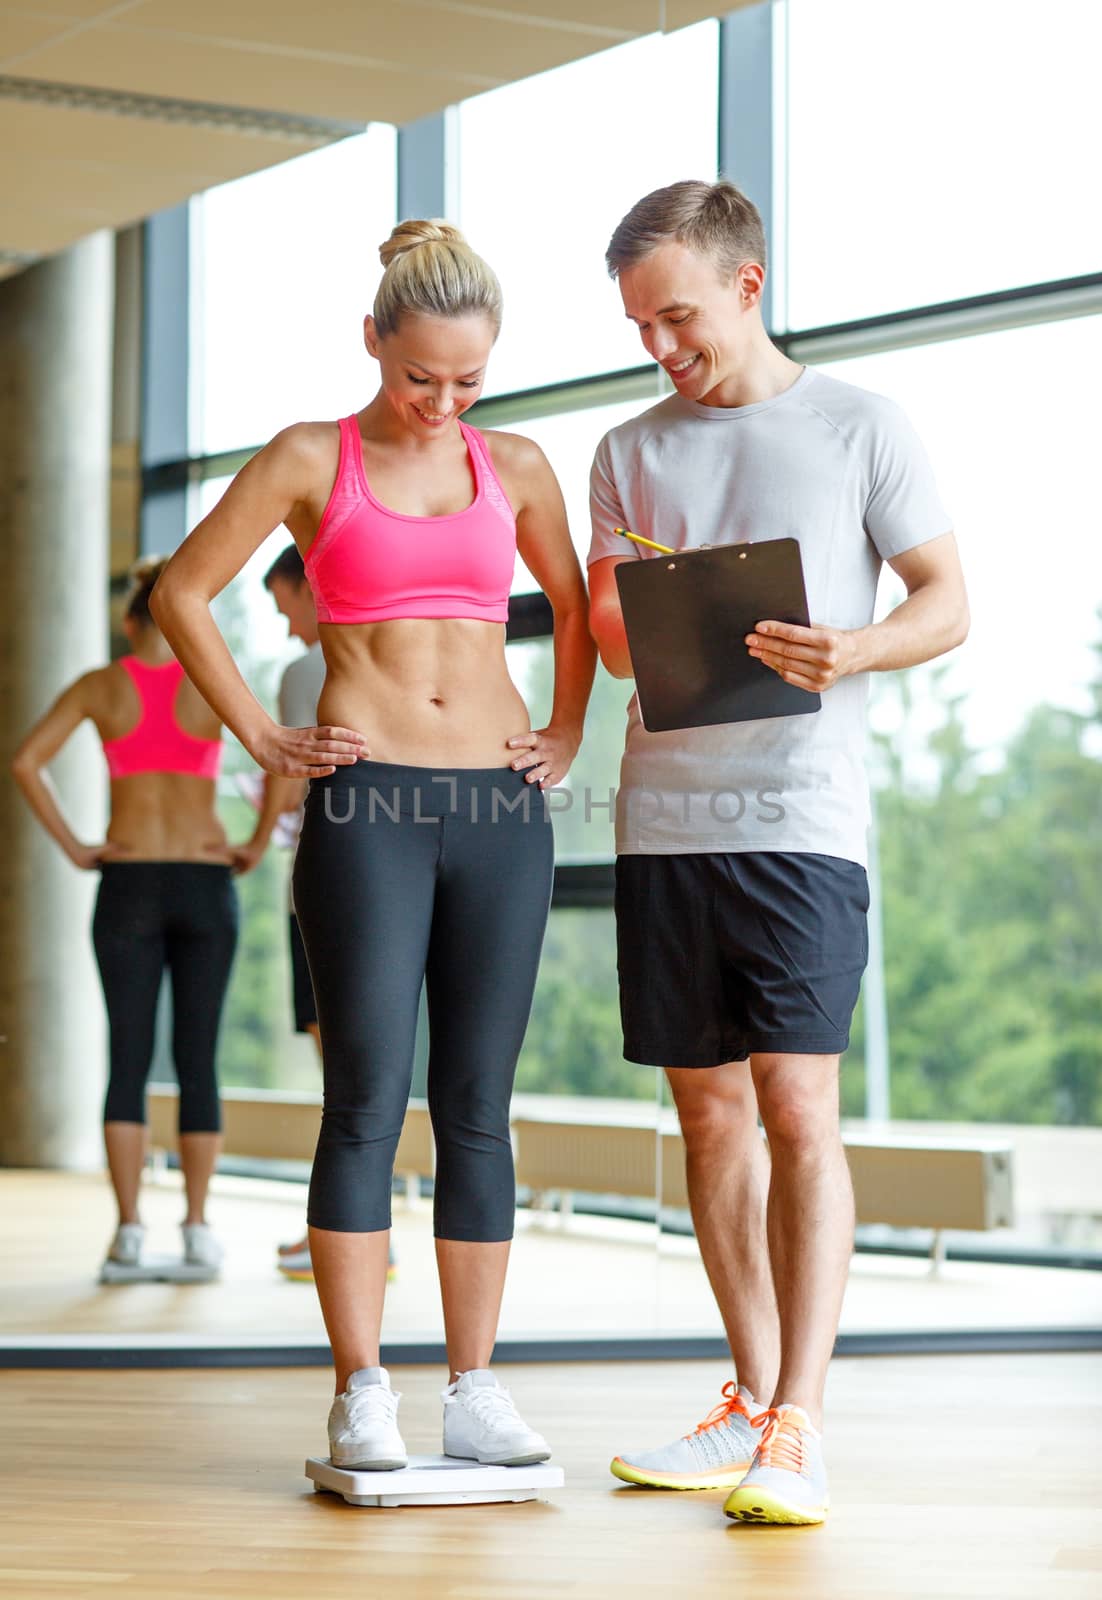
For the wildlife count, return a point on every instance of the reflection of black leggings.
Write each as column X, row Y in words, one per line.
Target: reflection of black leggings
column 150, row 915
column 404, row 874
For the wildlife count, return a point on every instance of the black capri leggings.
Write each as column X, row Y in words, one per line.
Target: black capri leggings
column 151, row 915
column 404, row 874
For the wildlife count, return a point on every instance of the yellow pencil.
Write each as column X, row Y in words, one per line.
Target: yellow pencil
column 666, row 549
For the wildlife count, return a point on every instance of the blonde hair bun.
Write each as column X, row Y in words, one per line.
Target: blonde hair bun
column 431, row 271
column 417, row 231
column 143, row 575
column 146, row 570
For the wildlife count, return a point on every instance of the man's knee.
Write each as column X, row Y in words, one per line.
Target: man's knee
column 798, row 1099
column 716, row 1107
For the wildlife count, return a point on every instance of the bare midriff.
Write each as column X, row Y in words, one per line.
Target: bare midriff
column 166, row 816
column 423, row 692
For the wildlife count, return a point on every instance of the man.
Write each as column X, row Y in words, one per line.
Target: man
column 741, row 927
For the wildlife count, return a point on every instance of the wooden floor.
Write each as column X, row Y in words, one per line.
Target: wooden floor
column 591, row 1278
column 960, row 1478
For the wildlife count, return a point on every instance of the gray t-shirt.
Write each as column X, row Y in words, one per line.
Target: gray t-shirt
column 300, row 688
column 299, row 691
column 826, row 463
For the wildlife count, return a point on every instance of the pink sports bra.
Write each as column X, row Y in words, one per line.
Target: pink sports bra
column 158, row 743
column 370, row 564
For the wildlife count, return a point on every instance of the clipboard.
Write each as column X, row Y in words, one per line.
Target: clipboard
column 687, row 616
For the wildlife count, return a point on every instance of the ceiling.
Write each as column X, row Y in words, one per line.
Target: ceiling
column 113, row 109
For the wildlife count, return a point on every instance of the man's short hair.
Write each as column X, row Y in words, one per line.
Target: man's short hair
column 287, row 564
column 714, row 219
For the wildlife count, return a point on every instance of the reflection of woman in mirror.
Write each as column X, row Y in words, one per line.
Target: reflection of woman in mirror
column 165, row 901
column 426, row 852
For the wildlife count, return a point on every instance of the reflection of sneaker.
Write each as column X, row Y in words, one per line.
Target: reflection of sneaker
column 201, row 1248
column 481, row 1423
column 126, row 1247
column 298, row 1267
column 363, row 1424
column 787, row 1479
column 295, row 1261
column 716, row 1455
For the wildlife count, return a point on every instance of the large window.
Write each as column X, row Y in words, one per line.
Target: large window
column 285, row 264
column 541, row 207
column 987, row 764
column 937, row 150
column 1010, row 421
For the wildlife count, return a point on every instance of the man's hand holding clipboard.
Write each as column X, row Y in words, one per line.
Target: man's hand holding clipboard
column 722, row 634
column 811, row 658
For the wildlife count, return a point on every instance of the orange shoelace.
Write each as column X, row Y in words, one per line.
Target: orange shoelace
column 781, row 1443
column 733, row 1401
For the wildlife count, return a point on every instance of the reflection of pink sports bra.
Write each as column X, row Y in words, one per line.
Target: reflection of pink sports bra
column 158, row 743
column 370, row 564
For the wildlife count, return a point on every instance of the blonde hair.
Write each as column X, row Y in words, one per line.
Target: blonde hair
column 714, row 219
column 143, row 575
column 431, row 271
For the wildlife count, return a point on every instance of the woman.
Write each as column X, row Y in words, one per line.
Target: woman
column 426, row 851
column 165, row 900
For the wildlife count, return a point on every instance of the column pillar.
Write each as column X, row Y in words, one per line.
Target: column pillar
column 55, row 428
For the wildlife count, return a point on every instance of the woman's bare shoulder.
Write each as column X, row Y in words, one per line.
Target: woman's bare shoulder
column 305, row 444
column 522, row 467
column 515, row 450
column 107, row 679
column 99, row 691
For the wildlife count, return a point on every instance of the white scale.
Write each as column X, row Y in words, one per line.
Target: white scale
column 157, row 1269
column 433, row 1481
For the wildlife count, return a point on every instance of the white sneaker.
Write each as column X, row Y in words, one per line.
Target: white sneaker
column 126, row 1247
column 787, row 1481
column 716, row 1455
column 481, row 1423
column 363, row 1424
column 201, row 1248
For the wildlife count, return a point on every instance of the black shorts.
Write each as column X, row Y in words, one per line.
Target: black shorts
column 302, row 990
column 723, row 955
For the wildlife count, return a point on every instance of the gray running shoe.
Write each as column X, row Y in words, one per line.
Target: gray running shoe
column 787, row 1480
column 716, row 1455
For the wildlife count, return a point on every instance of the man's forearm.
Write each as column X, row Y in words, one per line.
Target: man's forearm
column 929, row 622
column 607, row 627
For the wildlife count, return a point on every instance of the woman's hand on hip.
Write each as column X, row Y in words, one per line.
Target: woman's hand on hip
column 308, row 752
column 545, row 755
column 88, row 857
column 245, row 857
